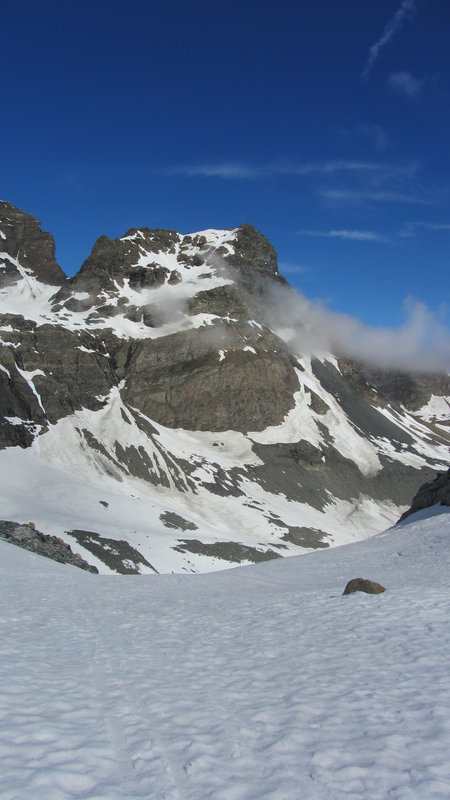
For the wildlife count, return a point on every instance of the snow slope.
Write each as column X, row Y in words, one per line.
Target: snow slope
column 146, row 409
column 72, row 486
column 258, row 682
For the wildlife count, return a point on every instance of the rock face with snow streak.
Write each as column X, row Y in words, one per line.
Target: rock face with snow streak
column 22, row 239
column 156, row 374
column 27, row 537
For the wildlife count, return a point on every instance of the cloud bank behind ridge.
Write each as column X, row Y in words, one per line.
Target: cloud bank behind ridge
column 421, row 344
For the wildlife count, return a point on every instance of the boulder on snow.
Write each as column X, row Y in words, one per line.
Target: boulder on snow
column 363, row 585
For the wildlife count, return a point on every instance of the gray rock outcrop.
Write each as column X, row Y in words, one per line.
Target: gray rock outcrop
column 434, row 493
column 23, row 240
column 27, row 537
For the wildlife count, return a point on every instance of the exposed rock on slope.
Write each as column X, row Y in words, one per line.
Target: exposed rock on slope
column 410, row 390
column 180, row 380
column 26, row 247
column 27, row 537
column 434, row 493
column 155, row 383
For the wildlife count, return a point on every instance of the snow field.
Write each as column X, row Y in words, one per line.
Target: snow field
column 258, row 682
column 59, row 469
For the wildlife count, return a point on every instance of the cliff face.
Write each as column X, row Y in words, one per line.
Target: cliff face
column 156, row 373
column 29, row 248
column 434, row 493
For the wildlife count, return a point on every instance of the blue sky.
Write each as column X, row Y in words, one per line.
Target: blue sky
column 325, row 124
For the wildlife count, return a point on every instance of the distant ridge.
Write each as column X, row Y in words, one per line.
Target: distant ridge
column 152, row 401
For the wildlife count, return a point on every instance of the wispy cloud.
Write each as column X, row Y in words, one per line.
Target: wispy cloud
column 228, row 171
column 356, row 236
column 332, row 167
column 342, row 181
column 422, row 343
column 403, row 13
column 378, row 136
column 410, row 228
column 241, row 171
column 361, row 196
column 405, row 83
column 374, row 135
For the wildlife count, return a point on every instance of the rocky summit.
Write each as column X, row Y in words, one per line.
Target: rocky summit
column 156, row 415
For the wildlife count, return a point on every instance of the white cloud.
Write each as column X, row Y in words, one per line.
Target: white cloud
column 405, row 83
column 240, row 170
column 360, row 181
column 369, row 196
column 229, row 171
column 331, row 167
column 404, row 12
column 410, row 228
column 357, row 236
column 422, row 343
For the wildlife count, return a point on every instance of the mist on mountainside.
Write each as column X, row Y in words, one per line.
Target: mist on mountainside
column 421, row 344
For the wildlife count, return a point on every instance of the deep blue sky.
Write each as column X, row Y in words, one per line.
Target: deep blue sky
column 325, row 124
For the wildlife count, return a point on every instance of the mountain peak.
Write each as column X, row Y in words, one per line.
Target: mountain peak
column 166, row 410
column 24, row 246
column 253, row 249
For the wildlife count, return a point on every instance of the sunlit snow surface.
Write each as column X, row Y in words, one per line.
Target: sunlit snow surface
column 259, row 682
column 68, row 482
column 71, row 485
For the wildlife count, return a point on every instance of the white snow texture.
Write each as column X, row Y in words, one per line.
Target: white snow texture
column 254, row 683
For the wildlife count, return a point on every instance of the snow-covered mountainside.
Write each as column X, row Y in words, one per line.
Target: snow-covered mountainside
column 258, row 683
column 155, row 415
